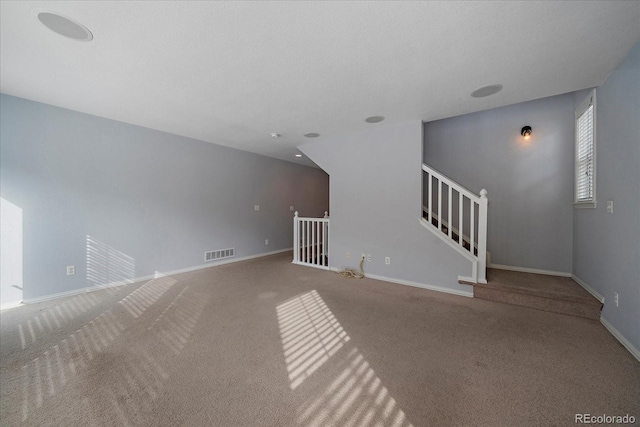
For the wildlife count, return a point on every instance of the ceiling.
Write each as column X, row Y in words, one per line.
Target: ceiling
column 232, row 73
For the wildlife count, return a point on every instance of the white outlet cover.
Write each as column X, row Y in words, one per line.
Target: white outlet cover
column 257, row 208
column 291, row 207
column 266, row 241
column 71, row 270
column 348, row 254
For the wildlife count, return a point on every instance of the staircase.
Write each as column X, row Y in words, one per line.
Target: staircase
column 459, row 218
column 542, row 292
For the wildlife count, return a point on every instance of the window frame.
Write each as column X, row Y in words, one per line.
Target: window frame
column 590, row 100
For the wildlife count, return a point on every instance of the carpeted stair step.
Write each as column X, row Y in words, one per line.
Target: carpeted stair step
column 542, row 292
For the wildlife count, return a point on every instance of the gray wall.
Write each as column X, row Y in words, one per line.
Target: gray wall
column 375, row 182
column 607, row 246
column 120, row 201
column 529, row 184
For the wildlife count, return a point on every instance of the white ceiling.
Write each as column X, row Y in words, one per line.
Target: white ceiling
column 231, row 73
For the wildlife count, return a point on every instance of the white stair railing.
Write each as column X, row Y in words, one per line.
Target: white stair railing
column 311, row 241
column 459, row 217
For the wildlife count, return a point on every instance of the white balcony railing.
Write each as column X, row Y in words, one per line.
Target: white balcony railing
column 311, row 241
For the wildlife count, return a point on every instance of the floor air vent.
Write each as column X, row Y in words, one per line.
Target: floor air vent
column 220, row 254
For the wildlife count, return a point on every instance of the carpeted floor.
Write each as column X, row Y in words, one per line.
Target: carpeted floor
column 543, row 292
column 540, row 284
column 268, row 343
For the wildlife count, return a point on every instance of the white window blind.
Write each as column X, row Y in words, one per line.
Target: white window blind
column 585, row 152
column 584, row 171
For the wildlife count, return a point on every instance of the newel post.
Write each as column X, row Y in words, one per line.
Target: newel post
column 296, row 239
column 482, row 237
column 325, row 243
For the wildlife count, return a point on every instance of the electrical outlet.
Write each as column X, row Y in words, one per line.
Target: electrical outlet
column 256, row 208
column 291, row 208
column 364, row 256
column 387, row 260
column 71, row 270
column 266, row 241
column 615, row 298
column 610, row 206
column 348, row 255
column 368, row 257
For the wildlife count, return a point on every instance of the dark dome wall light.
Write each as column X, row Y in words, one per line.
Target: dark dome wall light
column 526, row 132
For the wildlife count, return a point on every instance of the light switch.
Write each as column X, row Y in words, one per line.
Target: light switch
column 610, row 206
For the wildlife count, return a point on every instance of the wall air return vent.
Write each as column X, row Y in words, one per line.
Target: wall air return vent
column 219, row 254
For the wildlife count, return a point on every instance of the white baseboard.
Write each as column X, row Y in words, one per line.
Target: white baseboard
column 222, row 262
column 529, row 270
column 588, row 288
column 84, row 290
column 304, row 264
column 422, row 285
column 634, row 351
column 471, row 280
column 148, row 277
column 414, row 284
column 10, row 305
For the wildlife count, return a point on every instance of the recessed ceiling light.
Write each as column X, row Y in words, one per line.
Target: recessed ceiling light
column 312, row 135
column 374, row 119
column 298, row 155
column 65, row 26
column 486, row 91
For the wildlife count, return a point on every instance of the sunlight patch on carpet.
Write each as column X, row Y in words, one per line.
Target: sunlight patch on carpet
column 142, row 298
column 174, row 325
column 353, row 396
column 51, row 319
column 47, row 375
column 310, row 335
column 138, row 375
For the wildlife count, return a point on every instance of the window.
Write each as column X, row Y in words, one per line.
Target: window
column 585, row 167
